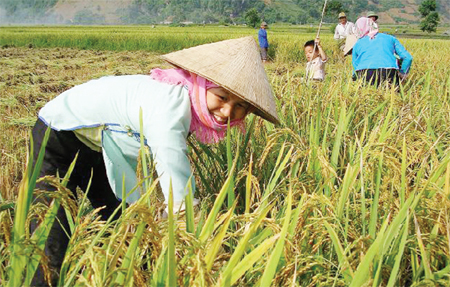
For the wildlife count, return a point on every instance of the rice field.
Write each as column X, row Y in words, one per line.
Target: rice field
column 352, row 189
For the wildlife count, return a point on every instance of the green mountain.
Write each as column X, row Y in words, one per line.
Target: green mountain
column 203, row 11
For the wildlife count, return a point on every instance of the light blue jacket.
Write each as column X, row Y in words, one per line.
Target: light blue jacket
column 380, row 53
column 112, row 104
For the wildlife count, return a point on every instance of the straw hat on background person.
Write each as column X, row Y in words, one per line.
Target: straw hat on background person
column 234, row 65
column 342, row 15
column 263, row 24
column 372, row 14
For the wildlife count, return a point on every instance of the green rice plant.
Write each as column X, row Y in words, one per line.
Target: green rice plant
column 362, row 272
column 142, row 152
column 230, row 195
column 398, row 259
column 41, row 233
column 376, row 197
column 6, row 206
column 423, row 253
column 18, row 257
column 126, row 279
column 208, row 226
column 225, row 278
column 189, row 203
column 248, row 186
column 404, row 164
column 250, row 259
column 271, row 267
column 280, row 165
column 343, row 261
column 215, row 245
column 171, row 245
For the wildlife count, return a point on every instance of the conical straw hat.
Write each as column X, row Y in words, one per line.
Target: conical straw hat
column 350, row 41
column 372, row 14
column 234, row 65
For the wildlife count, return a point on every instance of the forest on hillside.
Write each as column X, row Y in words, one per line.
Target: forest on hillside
column 230, row 11
column 195, row 11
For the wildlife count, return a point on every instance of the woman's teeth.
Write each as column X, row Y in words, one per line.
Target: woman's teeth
column 220, row 119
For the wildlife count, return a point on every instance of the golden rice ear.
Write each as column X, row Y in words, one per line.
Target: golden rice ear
column 234, row 65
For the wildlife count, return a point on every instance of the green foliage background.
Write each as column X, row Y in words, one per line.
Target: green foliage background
column 430, row 18
column 199, row 11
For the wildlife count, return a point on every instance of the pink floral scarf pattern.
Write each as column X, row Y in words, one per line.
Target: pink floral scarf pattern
column 366, row 27
column 203, row 125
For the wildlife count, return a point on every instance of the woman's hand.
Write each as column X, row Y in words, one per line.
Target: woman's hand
column 402, row 76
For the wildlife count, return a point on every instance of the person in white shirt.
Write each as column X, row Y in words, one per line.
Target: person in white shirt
column 343, row 29
column 315, row 68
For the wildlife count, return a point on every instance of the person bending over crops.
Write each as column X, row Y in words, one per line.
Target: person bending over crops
column 374, row 55
column 211, row 85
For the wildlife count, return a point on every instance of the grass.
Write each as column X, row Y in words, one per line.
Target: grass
column 351, row 189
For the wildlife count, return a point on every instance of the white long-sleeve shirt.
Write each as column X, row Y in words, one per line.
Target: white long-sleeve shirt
column 109, row 108
column 342, row 31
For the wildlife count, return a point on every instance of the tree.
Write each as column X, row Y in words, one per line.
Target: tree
column 430, row 23
column 427, row 7
column 252, row 18
column 333, row 8
column 430, row 18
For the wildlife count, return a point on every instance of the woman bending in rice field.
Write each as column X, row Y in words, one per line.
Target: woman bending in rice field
column 375, row 55
column 99, row 120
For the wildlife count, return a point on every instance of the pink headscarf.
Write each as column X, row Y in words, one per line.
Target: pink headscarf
column 203, row 125
column 366, row 27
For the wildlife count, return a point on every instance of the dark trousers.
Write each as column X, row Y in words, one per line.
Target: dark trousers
column 60, row 151
column 378, row 76
column 264, row 53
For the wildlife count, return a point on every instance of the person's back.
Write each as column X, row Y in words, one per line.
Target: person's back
column 380, row 52
column 120, row 98
column 375, row 55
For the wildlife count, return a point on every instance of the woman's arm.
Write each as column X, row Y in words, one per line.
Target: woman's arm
column 404, row 55
column 166, row 134
column 354, row 59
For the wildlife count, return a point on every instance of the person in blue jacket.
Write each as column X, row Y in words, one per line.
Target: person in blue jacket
column 375, row 55
column 263, row 43
column 99, row 123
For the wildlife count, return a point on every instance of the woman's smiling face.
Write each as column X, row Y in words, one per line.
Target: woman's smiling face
column 223, row 105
